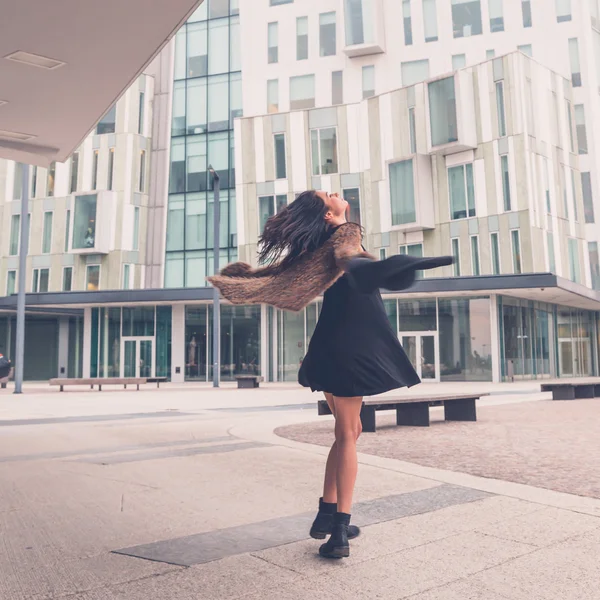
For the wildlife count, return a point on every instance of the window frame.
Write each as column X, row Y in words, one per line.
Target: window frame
column 51, row 233
column 322, row 48
column 284, row 136
column 505, row 176
column 273, row 51
column 87, row 275
column 319, row 145
column 64, row 271
column 14, row 283
column 142, row 172
column 516, row 271
column 110, row 175
column 303, row 19
column 390, row 164
column 36, row 280
column 455, row 252
column 357, row 188
column 473, row 263
column 495, row 250
column 501, row 108
column 74, row 173
column 468, row 209
column 95, row 161
column 274, row 207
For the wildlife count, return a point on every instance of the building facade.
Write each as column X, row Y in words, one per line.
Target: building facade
column 468, row 130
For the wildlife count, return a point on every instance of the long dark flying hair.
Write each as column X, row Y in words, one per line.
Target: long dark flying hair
column 299, row 228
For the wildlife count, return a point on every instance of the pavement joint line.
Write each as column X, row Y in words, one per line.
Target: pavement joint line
column 91, row 418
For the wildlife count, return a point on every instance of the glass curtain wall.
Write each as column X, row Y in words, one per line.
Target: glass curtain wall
column 207, row 97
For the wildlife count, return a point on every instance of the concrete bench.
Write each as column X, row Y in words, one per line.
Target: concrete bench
column 248, row 381
column 414, row 410
column 570, row 390
column 124, row 381
column 157, row 380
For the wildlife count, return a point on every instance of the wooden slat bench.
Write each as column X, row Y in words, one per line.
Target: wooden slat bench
column 124, row 381
column 570, row 390
column 248, row 381
column 414, row 410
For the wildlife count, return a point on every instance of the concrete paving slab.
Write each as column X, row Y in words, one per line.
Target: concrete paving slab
column 565, row 571
column 544, row 527
column 416, row 570
column 253, row 537
column 461, row 590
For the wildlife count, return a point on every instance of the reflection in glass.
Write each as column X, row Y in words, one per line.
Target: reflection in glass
column 92, row 278
column 402, row 192
column 84, row 221
column 442, row 111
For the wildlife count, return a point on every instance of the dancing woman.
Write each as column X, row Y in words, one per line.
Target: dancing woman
column 310, row 250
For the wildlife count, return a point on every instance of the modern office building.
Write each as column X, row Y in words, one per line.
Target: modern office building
column 451, row 126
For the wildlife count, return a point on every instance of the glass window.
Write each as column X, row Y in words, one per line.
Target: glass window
column 359, row 22
column 414, row 71
column 138, row 321
column 455, row 242
column 574, row 60
column 195, row 114
column 442, row 112
column 273, row 42
column 563, row 187
column 175, row 223
column 352, row 196
column 218, row 8
column 402, row 192
column 50, row 180
column 18, row 182
column 67, row 283
column 324, row 151
column 466, row 18
column 235, row 98
column 574, row 193
column 459, row 61
column 430, row 20
column 108, row 121
column 595, row 12
column 92, row 278
column 382, row 253
column 582, row 144
column 40, row 280
column 412, row 128
column 84, row 222
column 34, row 172
column 302, row 92
column 495, row 254
column 301, row 38
column 218, row 51
column 141, row 113
column 475, row 255
column 136, row 228
column 196, row 164
column 111, row 169
column 462, row 191
column 408, row 40
column 178, row 109
column 280, row 162
column 551, row 259
column 516, row 250
column 417, row 315
column 526, row 49
column 126, row 277
column 180, row 70
column 95, row 159
column 505, row 182
column 269, row 206
column 594, row 264
column 272, row 95
column 588, row 199
column 337, row 87
column 489, row 54
column 411, row 250
column 67, row 230
column 526, row 9
column 47, row 233
column 235, row 48
column 327, row 34
column 197, row 50
column 574, row 274
column 570, row 122
column 496, row 15
column 368, row 81
column 142, row 174
column 278, row 2
column 500, row 107
column 196, row 222
column 218, row 111
column 15, row 235
column 177, row 174
column 563, row 10
column 11, row 283
column 465, row 339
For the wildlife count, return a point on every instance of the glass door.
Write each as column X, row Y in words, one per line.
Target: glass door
column 422, row 350
column 138, row 359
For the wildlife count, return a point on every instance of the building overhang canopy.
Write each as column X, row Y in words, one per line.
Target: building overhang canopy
column 63, row 64
column 540, row 287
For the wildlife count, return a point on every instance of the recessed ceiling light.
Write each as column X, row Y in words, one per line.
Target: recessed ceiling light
column 3, row 102
column 35, row 60
column 13, row 135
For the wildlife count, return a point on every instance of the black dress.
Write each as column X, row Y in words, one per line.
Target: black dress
column 354, row 350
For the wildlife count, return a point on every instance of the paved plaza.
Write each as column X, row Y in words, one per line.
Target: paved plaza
column 188, row 493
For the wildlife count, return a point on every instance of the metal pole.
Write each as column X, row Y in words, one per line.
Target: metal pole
column 20, row 355
column 216, row 298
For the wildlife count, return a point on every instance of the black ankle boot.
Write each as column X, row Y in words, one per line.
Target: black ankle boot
column 323, row 523
column 337, row 545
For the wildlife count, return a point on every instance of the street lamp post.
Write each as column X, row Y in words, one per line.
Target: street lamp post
column 216, row 298
column 20, row 354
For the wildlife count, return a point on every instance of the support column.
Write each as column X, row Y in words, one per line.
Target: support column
column 63, row 347
column 495, row 339
column 87, row 341
column 178, row 357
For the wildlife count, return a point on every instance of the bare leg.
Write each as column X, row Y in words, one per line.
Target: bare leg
column 330, row 484
column 347, row 430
